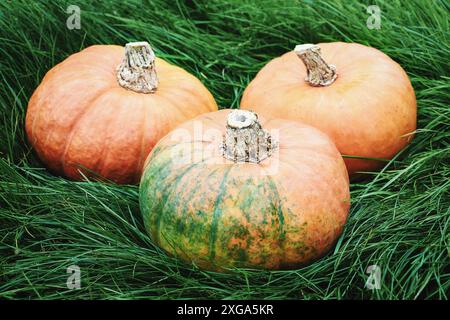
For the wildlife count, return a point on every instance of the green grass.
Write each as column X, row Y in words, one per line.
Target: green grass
column 399, row 217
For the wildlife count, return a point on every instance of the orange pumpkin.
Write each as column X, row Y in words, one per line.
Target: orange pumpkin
column 230, row 190
column 363, row 99
column 101, row 111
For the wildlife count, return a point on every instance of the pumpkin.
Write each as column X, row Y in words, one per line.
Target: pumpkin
column 100, row 112
column 228, row 189
column 356, row 94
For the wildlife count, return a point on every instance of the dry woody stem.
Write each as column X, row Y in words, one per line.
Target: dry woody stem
column 319, row 73
column 245, row 140
column 137, row 71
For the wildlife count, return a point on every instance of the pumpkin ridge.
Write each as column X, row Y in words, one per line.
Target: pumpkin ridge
column 215, row 121
column 173, row 187
column 72, row 131
column 184, row 92
column 322, row 155
column 296, row 169
column 199, row 86
column 173, row 105
column 269, row 98
column 40, row 111
column 99, row 167
column 208, row 95
column 216, row 213
column 194, row 190
column 279, row 209
column 38, row 115
column 184, row 207
column 147, row 202
column 141, row 157
column 93, row 54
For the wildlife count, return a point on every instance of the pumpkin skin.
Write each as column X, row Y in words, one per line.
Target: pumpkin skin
column 281, row 213
column 369, row 111
column 81, row 119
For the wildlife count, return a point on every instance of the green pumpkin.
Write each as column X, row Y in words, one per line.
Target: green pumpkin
column 280, row 203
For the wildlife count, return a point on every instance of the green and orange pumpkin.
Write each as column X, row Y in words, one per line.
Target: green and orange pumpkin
column 227, row 189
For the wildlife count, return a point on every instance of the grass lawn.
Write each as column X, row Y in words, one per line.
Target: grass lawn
column 399, row 218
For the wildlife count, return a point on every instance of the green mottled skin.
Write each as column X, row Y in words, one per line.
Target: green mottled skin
column 219, row 216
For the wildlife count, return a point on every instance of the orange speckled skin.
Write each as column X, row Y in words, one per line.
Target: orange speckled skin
column 284, row 212
column 369, row 111
column 79, row 118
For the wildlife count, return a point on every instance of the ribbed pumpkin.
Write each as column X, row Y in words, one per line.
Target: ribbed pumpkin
column 230, row 190
column 103, row 109
column 363, row 99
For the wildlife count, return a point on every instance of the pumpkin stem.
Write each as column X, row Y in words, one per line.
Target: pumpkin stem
column 319, row 73
column 137, row 71
column 245, row 140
